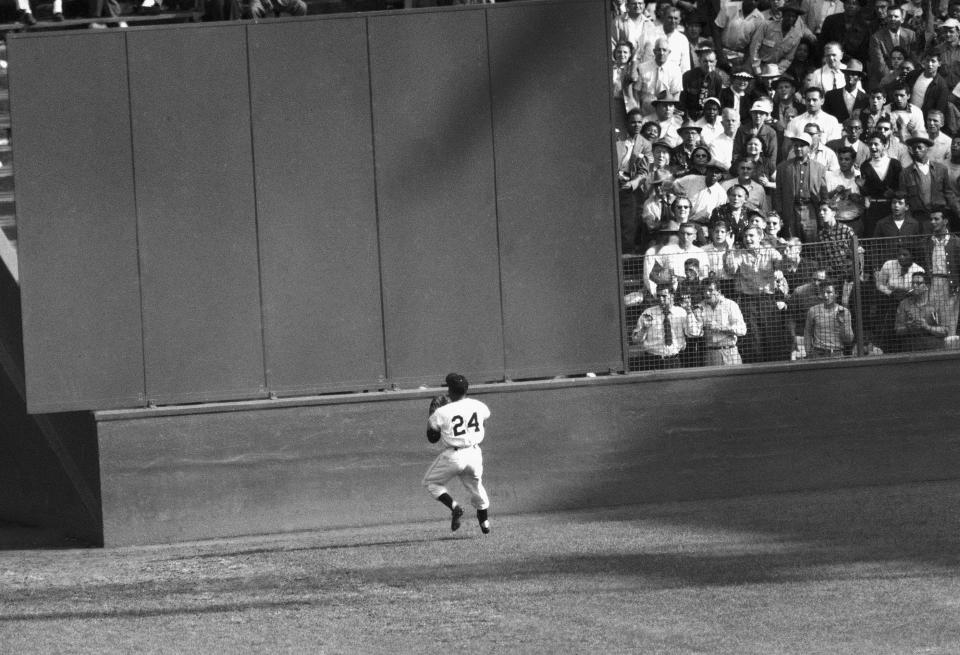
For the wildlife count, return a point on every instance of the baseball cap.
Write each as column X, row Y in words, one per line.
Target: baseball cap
column 456, row 382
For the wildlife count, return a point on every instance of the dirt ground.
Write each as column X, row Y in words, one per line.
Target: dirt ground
column 870, row 570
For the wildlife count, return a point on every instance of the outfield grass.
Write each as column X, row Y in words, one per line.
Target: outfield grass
column 859, row 571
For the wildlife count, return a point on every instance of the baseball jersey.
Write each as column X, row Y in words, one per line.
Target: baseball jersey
column 461, row 422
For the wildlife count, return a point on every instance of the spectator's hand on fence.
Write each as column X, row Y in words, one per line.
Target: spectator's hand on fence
column 781, row 305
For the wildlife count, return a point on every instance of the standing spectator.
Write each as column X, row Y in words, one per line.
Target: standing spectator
column 797, row 267
column 676, row 260
column 940, row 150
column 926, row 182
column 805, row 61
column 852, row 131
column 831, row 75
column 756, row 126
column 756, row 192
column 899, row 227
column 850, row 29
column 664, row 107
column 906, row 116
column 701, row 84
column 735, row 25
column 928, row 89
column 657, row 77
column 712, row 195
column 894, row 284
column 655, row 211
column 829, row 125
column 818, row 151
column 843, row 185
column 950, row 51
column 764, row 170
column 880, row 178
column 848, row 101
column 785, row 106
column 776, row 41
column 735, row 97
column 709, row 123
column 625, row 76
column 835, row 246
column 681, row 156
column 953, row 164
column 734, row 212
column 919, row 324
column 801, row 185
column 829, row 326
column 716, row 250
column 722, row 146
column 818, row 11
column 634, row 28
column 892, row 34
column 678, row 43
column 633, row 161
column 754, row 270
column 942, row 262
column 662, row 332
column 874, row 111
column 722, row 324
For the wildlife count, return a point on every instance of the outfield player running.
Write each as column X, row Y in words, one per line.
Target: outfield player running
column 458, row 425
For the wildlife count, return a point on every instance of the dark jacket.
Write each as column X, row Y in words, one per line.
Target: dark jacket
column 834, row 105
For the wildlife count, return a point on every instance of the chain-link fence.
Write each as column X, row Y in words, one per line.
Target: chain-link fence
column 787, row 301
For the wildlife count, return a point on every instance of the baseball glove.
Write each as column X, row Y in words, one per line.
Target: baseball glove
column 433, row 436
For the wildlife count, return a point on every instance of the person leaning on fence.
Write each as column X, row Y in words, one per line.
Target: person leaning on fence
column 942, row 261
column 722, row 323
column 834, row 246
column 754, row 268
column 829, row 326
column 662, row 332
column 918, row 324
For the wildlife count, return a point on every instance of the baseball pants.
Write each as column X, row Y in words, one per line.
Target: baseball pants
column 463, row 463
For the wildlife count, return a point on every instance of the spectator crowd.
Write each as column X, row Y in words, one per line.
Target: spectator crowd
column 788, row 177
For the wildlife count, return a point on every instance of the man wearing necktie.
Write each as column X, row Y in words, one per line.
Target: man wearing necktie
column 662, row 332
column 830, row 76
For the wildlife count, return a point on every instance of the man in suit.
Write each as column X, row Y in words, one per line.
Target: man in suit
column 927, row 183
column 830, row 76
column 852, row 130
column 848, row 101
column 890, row 35
column 801, row 185
column 850, row 29
column 634, row 157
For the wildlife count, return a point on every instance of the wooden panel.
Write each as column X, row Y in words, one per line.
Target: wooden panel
column 435, row 195
column 76, row 221
column 198, row 246
column 558, row 234
column 316, row 205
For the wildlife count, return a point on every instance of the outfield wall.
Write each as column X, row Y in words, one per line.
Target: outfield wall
column 322, row 204
column 270, row 466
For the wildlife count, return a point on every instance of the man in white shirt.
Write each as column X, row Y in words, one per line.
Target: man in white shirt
column 664, row 115
column 635, row 28
column 658, row 76
column 907, row 118
column 722, row 146
column 679, row 45
column 818, row 151
column 735, row 25
column 756, row 194
column 830, row 76
column 710, row 124
column 940, row 150
column 829, row 126
column 818, row 10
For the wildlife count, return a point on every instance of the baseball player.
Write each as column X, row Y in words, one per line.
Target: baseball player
column 458, row 426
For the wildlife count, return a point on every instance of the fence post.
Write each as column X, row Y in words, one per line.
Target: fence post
column 856, row 296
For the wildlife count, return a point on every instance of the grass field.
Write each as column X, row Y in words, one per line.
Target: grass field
column 870, row 570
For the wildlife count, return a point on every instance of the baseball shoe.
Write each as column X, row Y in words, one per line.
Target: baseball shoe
column 485, row 527
column 455, row 515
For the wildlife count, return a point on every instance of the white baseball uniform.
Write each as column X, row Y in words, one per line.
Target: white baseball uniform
column 461, row 431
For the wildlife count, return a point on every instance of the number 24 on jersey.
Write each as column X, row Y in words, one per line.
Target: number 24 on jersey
column 458, row 427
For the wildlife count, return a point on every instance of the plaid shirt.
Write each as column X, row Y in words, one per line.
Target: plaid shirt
column 833, row 251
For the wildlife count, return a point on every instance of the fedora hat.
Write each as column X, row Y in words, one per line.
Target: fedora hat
column 770, row 70
column 665, row 97
column 853, row 66
column 689, row 125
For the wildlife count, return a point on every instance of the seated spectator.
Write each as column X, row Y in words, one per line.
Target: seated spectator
column 852, row 131
column 829, row 326
column 662, row 332
column 918, row 323
column 735, row 213
column 754, row 270
column 722, row 324
column 894, row 283
column 756, row 192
